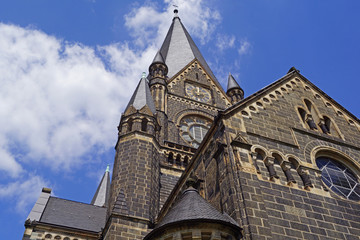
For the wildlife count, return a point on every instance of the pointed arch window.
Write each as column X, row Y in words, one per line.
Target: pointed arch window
column 144, row 123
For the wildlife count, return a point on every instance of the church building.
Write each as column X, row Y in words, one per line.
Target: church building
column 196, row 161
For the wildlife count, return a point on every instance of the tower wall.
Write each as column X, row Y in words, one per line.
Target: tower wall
column 134, row 198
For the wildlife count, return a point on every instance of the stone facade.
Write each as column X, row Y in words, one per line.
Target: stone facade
column 257, row 164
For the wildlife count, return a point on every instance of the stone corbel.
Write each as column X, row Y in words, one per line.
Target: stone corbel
column 305, row 177
column 254, row 158
column 323, row 127
column 310, row 121
column 286, row 166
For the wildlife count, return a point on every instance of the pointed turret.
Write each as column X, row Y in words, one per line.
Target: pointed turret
column 192, row 209
column 157, row 81
column 101, row 196
column 141, row 98
column 178, row 49
column 234, row 91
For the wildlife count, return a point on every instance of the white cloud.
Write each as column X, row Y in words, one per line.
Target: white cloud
column 61, row 101
column 244, row 47
column 224, row 41
column 57, row 100
column 149, row 25
column 24, row 191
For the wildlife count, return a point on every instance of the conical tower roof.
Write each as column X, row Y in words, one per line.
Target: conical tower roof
column 232, row 83
column 158, row 58
column 142, row 96
column 102, row 192
column 191, row 207
column 179, row 49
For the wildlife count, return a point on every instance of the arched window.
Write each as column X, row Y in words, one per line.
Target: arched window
column 171, row 158
column 48, row 236
column 338, row 177
column 325, row 125
column 308, row 105
column 193, row 129
column 312, row 118
column 130, row 124
column 302, row 113
column 186, row 161
column 144, row 123
column 178, row 160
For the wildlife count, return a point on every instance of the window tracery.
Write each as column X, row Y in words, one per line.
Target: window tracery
column 339, row 178
column 193, row 129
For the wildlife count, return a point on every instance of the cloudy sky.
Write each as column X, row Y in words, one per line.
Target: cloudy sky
column 69, row 67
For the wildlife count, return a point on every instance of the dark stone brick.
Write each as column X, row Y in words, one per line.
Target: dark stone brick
column 355, row 225
column 290, row 217
column 303, row 206
column 335, row 234
column 293, row 233
column 355, row 232
column 317, row 230
column 339, row 221
column 298, row 192
column 352, row 217
column 314, row 215
column 277, row 229
column 279, row 222
column 274, row 213
column 282, row 237
column 292, row 196
column 308, row 221
column 299, row 226
column 275, row 206
column 351, row 237
column 284, row 201
column 325, row 225
column 313, row 202
column 309, row 236
column 264, row 231
column 320, row 210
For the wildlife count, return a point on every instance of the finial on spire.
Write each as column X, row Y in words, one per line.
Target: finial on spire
column 143, row 75
column 107, row 168
column 175, row 11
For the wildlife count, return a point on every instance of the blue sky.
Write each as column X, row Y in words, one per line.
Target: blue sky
column 68, row 69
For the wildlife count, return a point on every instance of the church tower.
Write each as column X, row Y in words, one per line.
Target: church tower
column 180, row 94
column 193, row 162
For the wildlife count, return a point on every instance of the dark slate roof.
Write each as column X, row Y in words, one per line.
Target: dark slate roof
column 191, row 207
column 72, row 214
column 178, row 50
column 232, row 83
column 103, row 191
column 158, row 58
column 142, row 97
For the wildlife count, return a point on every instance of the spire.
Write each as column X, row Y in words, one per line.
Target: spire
column 158, row 67
column 102, row 192
column 178, row 49
column 142, row 97
column 158, row 58
column 234, row 91
column 232, row 83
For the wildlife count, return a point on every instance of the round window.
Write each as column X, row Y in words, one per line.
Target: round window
column 339, row 178
column 193, row 129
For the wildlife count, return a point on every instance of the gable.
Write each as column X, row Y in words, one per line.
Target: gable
column 282, row 99
column 195, row 74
